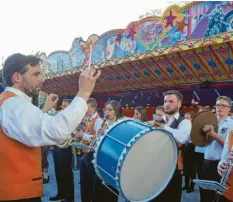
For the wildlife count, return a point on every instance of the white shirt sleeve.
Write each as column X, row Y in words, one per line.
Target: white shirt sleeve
column 182, row 133
column 225, row 151
column 24, row 122
column 98, row 123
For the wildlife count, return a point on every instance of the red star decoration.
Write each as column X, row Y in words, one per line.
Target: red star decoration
column 118, row 38
column 170, row 18
column 181, row 25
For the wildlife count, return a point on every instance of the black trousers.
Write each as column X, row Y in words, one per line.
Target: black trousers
column 64, row 173
column 173, row 190
column 209, row 173
column 102, row 193
column 37, row 199
column 87, row 174
column 189, row 165
column 223, row 199
column 199, row 162
column 45, row 151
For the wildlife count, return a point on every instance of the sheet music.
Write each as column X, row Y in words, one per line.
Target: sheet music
column 211, row 185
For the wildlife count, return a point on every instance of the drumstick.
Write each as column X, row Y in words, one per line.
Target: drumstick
column 89, row 63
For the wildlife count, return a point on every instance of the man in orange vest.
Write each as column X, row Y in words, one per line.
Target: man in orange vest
column 25, row 128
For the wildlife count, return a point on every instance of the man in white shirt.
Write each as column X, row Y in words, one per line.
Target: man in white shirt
column 180, row 129
column 24, row 127
column 87, row 171
column 213, row 151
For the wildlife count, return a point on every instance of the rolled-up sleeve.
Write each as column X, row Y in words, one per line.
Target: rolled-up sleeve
column 24, row 122
column 182, row 133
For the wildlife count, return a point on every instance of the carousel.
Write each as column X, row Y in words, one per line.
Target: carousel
column 188, row 48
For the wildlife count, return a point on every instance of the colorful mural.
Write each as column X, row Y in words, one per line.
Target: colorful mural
column 187, row 45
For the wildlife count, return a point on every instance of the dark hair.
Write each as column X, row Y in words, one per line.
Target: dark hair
column 92, row 102
column 116, row 107
column 142, row 111
column 178, row 95
column 18, row 63
column 192, row 114
column 160, row 108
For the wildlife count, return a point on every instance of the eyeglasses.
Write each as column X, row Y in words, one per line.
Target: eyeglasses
column 108, row 110
column 221, row 106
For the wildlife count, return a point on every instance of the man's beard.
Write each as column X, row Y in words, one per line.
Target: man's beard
column 171, row 112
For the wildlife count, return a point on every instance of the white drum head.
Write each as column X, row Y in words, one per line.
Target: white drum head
column 149, row 166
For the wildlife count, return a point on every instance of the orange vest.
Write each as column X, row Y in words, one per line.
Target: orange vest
column 90, row 127
column 20, row 169
column 90, row 130
column 229, row 193
column 180, row 158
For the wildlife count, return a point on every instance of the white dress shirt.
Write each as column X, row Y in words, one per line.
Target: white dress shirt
column 213, row 151
column 182, row 133
column 26, row 123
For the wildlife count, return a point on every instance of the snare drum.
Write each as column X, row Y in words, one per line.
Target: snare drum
column 136, row 159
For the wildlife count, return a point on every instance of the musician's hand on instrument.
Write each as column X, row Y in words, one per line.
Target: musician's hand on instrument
column 99, row 132
column 87, row 81
column 222, row 168
column 79, row 134
column 209, row 130
column 151, row 123
column 231, row 155
column 51, row 102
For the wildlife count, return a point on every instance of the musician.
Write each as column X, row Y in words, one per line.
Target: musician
column 223, row 166
column 199, row 152
column 113, row 111
column 213, row 151
column 189, row 163
column 87, row 171
column 180, row 128
column 25, row 128
column 62, row 158
column 140, row 113
column 160, row 116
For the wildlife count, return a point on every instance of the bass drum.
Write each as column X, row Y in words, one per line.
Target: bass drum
column 136, row 159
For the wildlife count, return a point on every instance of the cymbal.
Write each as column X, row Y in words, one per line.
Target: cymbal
column 198, row 137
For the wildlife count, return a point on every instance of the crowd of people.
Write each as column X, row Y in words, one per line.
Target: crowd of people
column 26, row 128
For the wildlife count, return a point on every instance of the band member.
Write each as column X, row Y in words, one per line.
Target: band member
column 87, row 171
column 63, row 169
column 180, row 128
column 226, row 159
column 159, row 116
column 199, row 153
column 160, row 113
column 113, row 111
column 189, row 164
column 25, row 128
column 214, row 150
column 140, row 114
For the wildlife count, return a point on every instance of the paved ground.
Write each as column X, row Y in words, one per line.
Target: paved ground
column 51, row 188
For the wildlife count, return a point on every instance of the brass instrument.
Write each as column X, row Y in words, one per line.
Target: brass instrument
column 68, row 142
column 92, row 143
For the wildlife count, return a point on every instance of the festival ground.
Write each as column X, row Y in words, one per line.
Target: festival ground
column 51, row 188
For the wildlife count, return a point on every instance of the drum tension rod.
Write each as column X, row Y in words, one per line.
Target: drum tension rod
column 115, row 178
column 118, row 141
